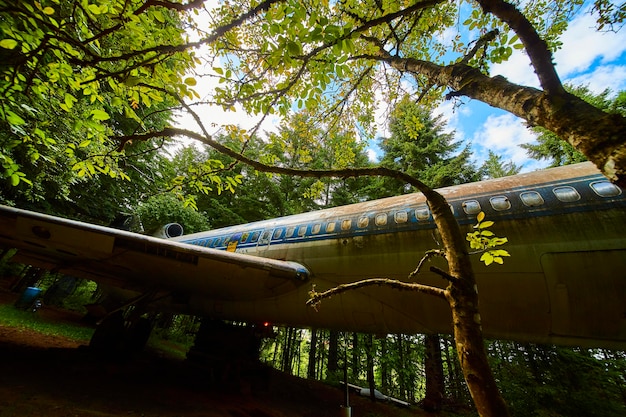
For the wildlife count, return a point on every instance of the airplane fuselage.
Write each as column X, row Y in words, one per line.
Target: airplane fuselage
column 565, row 281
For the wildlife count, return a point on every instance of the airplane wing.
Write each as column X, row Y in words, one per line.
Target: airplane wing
column 142, row 263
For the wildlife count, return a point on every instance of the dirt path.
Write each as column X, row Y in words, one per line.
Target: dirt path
column 56, row 377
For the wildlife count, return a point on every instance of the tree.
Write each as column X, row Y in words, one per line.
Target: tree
column 549, row 146
column 63, row 99
column 419, row 146
column 333, row 58
column 494, row 167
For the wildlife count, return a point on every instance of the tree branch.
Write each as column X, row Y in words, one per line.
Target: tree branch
column 317, row 297
column 536, row 48
column 427, row 256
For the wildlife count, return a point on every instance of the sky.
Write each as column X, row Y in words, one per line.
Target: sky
column 587, row 57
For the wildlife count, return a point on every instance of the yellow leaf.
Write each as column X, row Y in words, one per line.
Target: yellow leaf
column 48, row 10
column 481, row 216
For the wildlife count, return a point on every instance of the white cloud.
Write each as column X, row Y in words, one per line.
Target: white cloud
column 503, row 135
column 584, row 49
column 609, row 76
column 517, row 70
column 583, row 46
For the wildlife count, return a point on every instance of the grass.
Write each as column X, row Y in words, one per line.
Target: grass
column 12, row 317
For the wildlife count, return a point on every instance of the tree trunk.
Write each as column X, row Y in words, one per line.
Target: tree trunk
column 598, row 135
column 384, row 367
column 311, row 374
column 370, row 366
column 356, row 360
column 433, row 365
column 333, row 350
column 462, row 296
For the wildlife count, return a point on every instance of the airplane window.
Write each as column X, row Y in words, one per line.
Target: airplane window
column 207, row 243
column 471, row 207
column 500, row 203
column 265, row 237
column 605, row 189
column 422, row 213
column 566, row 194
column 531, row 198
column 363, row 222
column 401, row 217
column 290, row 231
column 302, row 231
column 278, row 233
column 381, row 219
column 255, row 237
column 330, row 227
column 244, row 237
column 451, row 208
column 315, row 229
column 346, row 224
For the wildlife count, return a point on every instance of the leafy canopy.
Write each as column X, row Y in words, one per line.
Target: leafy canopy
column 74, row 73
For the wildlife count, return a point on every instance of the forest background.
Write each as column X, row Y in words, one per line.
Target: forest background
column 86, row 83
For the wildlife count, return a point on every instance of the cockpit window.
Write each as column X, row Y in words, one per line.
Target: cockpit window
column 330, row 227
column 566, row 194
column 315, row 229
column 605, row 189
column 500, row 203
column 380, row 219
column 531, row 198
column 346, row 224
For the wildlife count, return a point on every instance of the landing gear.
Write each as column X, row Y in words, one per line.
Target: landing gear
column 230, row 352
column 116, row 334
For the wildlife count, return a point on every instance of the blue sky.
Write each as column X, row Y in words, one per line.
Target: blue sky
column 587, row 57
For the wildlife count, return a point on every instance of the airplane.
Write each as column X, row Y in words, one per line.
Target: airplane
column 565, row 282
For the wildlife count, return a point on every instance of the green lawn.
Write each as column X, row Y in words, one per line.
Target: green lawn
column 13, row 317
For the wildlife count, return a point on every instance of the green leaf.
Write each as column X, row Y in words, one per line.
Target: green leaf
column 8, row 43
column 100, row 115
column 159, row 16
column 48, row 10
column 190, row 81
column 69, row 100
column 294, row 48
column 14, row 119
